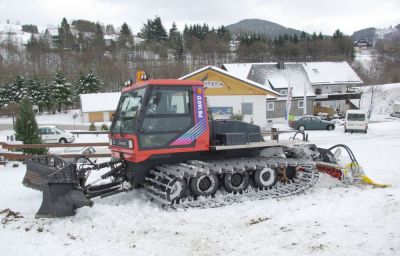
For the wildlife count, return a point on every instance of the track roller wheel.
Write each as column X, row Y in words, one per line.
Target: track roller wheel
column 236, row 182
column 265, row 178
column 204, row 185
column 177, row 190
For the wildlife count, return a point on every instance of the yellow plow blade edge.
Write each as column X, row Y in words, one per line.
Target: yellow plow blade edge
column 355, row 170
column 367, row 180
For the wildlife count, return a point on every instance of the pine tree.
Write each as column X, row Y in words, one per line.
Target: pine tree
column 176, row 43
column 154, row 30
column 89, row 83
column 337, row 34
column 314, row 37
column 125, row 37
column 65, row 37
column 98, row 43
column 26, row 128
column 61, row 91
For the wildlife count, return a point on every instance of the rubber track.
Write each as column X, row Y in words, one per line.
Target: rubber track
column 163, row 174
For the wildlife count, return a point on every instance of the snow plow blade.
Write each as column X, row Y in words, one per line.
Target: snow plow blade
column 355, row 171
column 57, row 179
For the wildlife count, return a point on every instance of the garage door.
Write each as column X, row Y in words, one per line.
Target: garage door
column 96, row 117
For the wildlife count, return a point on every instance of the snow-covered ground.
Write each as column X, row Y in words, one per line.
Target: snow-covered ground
column 330, row 219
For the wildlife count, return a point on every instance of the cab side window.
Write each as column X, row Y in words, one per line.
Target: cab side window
column 167, row 115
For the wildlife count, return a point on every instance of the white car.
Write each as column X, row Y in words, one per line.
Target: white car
column 53, row 134
column 356, row 121
column 80, row 151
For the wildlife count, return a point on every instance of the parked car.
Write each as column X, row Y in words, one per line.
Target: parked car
column 395, row 114
column 356, row 121
column 80, row 151
column 311, row 123
column 53, row 134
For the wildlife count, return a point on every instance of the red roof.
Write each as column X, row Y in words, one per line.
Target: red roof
column 161, row 82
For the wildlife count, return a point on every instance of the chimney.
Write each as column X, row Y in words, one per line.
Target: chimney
column 281, row 64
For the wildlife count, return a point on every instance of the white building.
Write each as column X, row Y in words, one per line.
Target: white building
column 98, row 107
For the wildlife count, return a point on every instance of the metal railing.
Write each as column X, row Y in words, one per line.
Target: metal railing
column 20, row 156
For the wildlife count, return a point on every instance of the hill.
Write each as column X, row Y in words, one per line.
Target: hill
column 261, row 27
column 372, row 34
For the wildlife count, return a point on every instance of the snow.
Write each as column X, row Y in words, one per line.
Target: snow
column 293, row 74
column 239, row 69
column 385, row 96
column 14, row 32
column 98, row 102
column 331, row 73
column 330, row 219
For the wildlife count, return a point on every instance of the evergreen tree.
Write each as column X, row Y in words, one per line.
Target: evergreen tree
column 154, row 30
column 61, row 91
column 65, row 37
column 26, row 128
column 99, row 44
column 320, row 36
column 125, row 37
column 295, row 39
column 314, row 37
column 303, row 36
column 176, row 43
column 89, row 83
column 337, row 34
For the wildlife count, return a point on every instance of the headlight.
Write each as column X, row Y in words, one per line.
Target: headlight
column 130, row 143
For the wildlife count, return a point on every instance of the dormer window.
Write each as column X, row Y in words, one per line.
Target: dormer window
column 283, row 92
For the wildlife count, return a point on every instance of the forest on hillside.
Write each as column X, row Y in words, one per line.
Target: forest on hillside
column 84, row 52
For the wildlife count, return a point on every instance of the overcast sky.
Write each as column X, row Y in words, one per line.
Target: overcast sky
column 308, row 15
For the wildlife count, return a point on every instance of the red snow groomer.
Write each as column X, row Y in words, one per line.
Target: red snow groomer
column 163, row 140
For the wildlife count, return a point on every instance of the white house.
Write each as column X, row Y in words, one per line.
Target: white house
column 98, row 107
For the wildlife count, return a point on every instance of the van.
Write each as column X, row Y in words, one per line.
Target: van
column 356, row 121
column 53, row 134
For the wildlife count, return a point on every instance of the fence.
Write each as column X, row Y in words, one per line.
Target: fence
column 17, row 156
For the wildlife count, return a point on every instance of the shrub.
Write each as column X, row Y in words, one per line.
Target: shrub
column 92, row 127
column 104, row 127
column 237, row 116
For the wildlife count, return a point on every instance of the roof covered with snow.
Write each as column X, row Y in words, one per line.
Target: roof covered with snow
column 331, row 73
column 238, row 69
column 293, row 75
column 219, row 70
column 99, row 102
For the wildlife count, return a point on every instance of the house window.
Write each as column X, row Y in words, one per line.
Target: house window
column 284, row 92
column 300, row 104
column 247, row 108
column 318, row 91
column 270, row 106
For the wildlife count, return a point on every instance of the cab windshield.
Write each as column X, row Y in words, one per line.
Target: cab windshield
column 125, row 118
